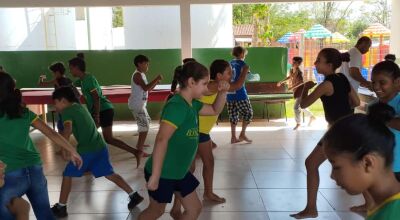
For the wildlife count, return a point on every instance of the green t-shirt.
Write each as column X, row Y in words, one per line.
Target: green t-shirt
column 182, row 146
column 83, row 128
column 88, row 84
column 388, row 210
column 16, row 147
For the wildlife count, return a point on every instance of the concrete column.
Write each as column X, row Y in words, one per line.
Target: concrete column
column 186, row 35
column 395, row 29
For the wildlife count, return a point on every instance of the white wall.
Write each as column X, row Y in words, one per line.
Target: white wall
column 152, row 27
column 100, row 20
column 26, row 29
column 212, row 26
column 395, row 29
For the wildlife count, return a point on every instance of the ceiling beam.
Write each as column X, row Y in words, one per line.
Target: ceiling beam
column 101, row 3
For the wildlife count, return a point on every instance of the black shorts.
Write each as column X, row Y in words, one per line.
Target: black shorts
column 204, row 137
column 106, row 118
column 167, row 187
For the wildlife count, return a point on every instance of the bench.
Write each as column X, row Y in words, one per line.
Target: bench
column 268, row 93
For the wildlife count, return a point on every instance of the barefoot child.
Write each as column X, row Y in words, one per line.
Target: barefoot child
column 238, row 102
column 91, row 147
column 24, row 172
column 167, row 170
column 98, row 105
column 360, row 149
column 337, row 97
column 137, row 101
column 296, row 84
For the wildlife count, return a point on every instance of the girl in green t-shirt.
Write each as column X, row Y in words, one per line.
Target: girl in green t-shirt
column 24, row 173
column 167, row 170
column 360, row 149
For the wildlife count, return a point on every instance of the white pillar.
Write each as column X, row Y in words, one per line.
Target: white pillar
column 186, row 36
column 395, row 29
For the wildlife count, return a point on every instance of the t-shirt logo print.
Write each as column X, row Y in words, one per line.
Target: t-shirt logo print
column 193, row 132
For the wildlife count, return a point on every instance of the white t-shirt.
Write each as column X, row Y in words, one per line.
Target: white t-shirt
column 355, row 61
column 138, row 98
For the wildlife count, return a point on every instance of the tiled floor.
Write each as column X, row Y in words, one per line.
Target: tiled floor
column 260, row 181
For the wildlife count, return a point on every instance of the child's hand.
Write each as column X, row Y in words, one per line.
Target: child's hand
column 309, row 85
column 19, row 207
column 278, row 84
column 152, row 184
column 76, row 159
column 2, row 170
column 223, row 86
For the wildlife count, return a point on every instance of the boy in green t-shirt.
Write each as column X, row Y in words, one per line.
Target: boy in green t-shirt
column 98, row 105
column 91, row 147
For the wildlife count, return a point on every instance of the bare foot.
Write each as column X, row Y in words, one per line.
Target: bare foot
column 297, row 126
column 175, row 214
column 312, row 119
column 360, row 208
column 138, row 156
column 213, row 198
column 214, row 145
column 235, row 140
column 305, row 214
column 244, row 138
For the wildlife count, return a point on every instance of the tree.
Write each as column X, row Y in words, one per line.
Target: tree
column 117, row 17
column 380, row 13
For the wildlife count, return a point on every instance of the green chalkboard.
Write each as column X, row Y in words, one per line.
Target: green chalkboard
column 109, row 67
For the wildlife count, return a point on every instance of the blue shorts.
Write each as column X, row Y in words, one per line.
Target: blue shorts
column 167, row 187
column 60, row 123
column 204, row 137
column 98, row 163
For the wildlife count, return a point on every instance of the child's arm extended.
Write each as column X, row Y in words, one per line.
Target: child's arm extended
column 353, row 98
column 47, row 83
column 137, row 78
column 219, row 102
column 160, row 148
column 325, row 88
column 59, row 140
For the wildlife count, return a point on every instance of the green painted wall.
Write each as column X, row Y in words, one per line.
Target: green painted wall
column 116, row 67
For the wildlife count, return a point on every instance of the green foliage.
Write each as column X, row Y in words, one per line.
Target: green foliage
column 117, row 20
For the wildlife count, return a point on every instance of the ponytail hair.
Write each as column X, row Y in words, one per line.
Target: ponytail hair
column 361, row 134
column 189, row 70
column 81, row 55
column 10, row 98
column 174, row 82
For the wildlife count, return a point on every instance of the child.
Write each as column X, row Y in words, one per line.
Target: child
column 91, row 147
column 360, row 149
column 174, row 83
column 58, row 81
column 99, row 106
column 138, row 99
column 24, row 172
column 296, row 84
column 385, row 82
column 238, row 102
column 337, row 97
column 220, row 70
column 167, row 170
